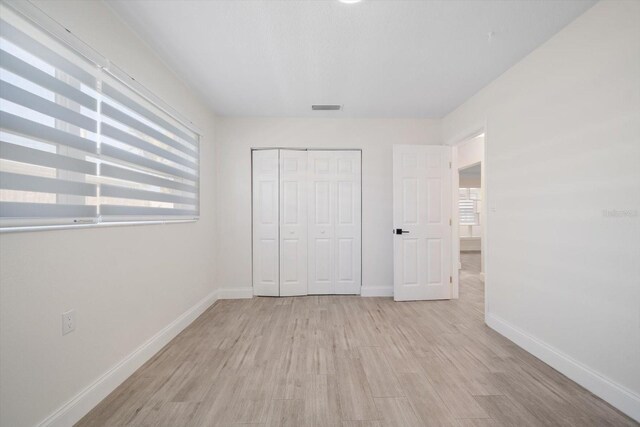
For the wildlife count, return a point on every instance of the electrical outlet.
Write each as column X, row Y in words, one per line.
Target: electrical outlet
column 68, row 321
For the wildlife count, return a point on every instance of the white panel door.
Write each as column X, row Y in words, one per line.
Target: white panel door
column 421, row 219
column 266, row 277
column 293, row 222
column 347, row 246
column 322, row 170
column 334, row 222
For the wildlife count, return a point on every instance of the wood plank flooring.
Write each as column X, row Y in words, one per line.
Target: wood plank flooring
column 349, row 361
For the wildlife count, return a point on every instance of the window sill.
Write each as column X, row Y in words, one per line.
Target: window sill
column 8, row 230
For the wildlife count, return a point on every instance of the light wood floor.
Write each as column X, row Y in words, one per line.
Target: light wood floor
column 349, row 361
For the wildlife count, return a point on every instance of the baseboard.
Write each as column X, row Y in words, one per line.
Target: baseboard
column 235, row 293
column 76, row 408
column 617, row 395
column 376, row 291
column 247, row 292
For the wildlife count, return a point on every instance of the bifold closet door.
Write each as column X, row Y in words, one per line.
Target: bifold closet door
column 279, row 222
column 293, row 222
column 266, row 223
column 334, row 222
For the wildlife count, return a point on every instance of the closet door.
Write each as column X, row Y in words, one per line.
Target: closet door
column 334, row 222
column 347, row 242
column 322, row 169
column 293, row 222
column 265, row 189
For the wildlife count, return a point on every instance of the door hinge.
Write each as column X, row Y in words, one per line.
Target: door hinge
column 449, row 165
column 450, row 279
column 450, row 222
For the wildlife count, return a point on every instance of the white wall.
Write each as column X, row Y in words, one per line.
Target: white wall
column 469, row 182
column 562, row 145
column 470, row 152
column 234, row 139
column 125, row 283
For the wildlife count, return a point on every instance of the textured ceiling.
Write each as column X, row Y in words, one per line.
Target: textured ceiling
column 376, row 58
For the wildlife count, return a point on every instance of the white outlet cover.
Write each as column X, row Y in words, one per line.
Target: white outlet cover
column 68, row 321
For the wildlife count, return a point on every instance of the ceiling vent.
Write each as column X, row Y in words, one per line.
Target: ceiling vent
column 324, row 107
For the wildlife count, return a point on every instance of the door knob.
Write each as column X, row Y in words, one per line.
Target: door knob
column 400, row 231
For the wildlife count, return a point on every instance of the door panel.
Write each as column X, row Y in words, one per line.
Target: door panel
column 320, row 267
column 345, row 202
column 321, row 224
column 266, row 236
column 268, row 261
column 410, row 261
column 345, row 260
column 334, row 222
column 293, row 222
column 289, row 256
column 410, row 200
column 322, row 198
column 348, row 222
column 290, row 206
column 434, row 201
column 434, row 257
column 422, row 209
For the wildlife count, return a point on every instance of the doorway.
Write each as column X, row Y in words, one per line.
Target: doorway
column 469, row 213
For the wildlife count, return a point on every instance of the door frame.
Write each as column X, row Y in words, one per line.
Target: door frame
column 251, row 150
column 455, row 229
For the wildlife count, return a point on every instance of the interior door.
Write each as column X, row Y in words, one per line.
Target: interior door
column 347, row 223
column 293, row 222
column 334, row 222
column 321, row 222
column 266, row 236
column 422, row 200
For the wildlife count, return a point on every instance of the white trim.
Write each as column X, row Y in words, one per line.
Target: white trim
column 236, row 292
column 484, row 219
column 617, row 395
column 455, row 223
column 76, row 408
column 92, row 225
column 376, row 291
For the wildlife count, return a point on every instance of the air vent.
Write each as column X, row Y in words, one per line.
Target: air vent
column 326, row 107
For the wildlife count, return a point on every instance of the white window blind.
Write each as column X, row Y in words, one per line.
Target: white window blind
column 149, row 164
column 467, row 205
column 79, row 146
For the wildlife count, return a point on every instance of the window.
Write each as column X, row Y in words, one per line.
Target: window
column 78, row 145
column 469, row 203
